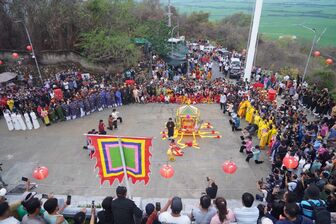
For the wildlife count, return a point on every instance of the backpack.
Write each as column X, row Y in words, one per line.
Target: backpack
column 321, row 215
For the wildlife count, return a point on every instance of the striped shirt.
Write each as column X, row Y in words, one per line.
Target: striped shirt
column 307, row 209
column 246, row 215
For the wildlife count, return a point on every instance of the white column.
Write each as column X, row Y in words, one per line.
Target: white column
column 253, row 39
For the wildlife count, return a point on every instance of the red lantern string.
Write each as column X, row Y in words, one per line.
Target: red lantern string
column 29, row 48
column 329, row 61
column 15, row 55
column 317, row 53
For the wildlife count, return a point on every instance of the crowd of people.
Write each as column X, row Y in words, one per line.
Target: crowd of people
column 282, row 129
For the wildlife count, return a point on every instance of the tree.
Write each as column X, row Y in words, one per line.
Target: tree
column 108, row 46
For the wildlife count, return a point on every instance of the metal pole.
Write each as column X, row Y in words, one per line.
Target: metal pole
column 308, row 59
column 172, row 35
column 33, row 52
column 169, row 14
column 253, row 39
column 124, row 167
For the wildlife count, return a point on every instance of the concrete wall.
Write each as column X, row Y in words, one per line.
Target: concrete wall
column 58, row 57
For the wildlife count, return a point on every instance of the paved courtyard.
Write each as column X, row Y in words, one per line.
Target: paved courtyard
column 59, row 147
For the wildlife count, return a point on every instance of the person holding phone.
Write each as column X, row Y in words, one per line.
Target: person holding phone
column 53, row 214
column 152, row 212
column 212, row 188
column 124, row 209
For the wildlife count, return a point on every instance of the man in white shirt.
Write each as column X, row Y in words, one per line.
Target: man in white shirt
column 222, row 102
column 175, row 215
column 116, row 117
column 247, row 214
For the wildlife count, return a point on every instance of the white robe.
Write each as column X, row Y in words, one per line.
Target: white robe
column 9, row 123
column 21, row 121
column 28, row 122
column 36, row 123
column 15, row 122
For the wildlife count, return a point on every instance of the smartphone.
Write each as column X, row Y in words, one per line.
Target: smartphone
column 45, row 196
column 208, row 178
column 68, row 201
column 158, row 206
column 93, row 204
column 25, row 179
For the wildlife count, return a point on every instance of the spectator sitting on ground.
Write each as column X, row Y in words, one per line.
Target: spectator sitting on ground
column 224, row 215
column 292, row 213
column 212, row 188
column 175, row 215
column 247, row 214
column 124, row 210
column 106, row 216
column 205, row 211
column 53, row 212
column 33, row 207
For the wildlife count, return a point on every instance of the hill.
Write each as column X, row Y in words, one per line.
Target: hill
column 279, row 17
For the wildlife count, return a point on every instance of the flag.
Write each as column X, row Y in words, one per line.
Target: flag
column 109, row 161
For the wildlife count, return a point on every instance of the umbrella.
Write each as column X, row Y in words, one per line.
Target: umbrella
column 6, row 76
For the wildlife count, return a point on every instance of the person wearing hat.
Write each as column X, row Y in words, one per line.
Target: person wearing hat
column 171, row 127
column 124, row 210
column 175, row 215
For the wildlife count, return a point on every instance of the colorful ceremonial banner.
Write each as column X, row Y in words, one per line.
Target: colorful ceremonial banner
column 109, row 160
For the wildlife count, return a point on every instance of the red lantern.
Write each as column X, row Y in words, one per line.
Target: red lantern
column 29, row 48
column 1, row 62
column 40, row 173
column 15, row 55
column 317, row 53
column 167, row 171
column 329, row 61
column 290, row 162
column 229, row 167
column 189, row 144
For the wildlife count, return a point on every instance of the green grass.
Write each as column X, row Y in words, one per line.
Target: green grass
column 279, row 17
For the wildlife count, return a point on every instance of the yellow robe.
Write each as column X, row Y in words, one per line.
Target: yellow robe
column 271, row 133
column 242, row 108
column 10, row 104
column 256, row 119
column 261, row 125
column 263, row 137
column 249, row 114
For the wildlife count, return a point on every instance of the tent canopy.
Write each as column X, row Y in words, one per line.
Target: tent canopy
column 188, row 110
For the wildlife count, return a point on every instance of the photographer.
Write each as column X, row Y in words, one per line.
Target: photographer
column 1, row 180
column 212, row 188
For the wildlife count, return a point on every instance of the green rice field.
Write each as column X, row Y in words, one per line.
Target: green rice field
column 279, row 17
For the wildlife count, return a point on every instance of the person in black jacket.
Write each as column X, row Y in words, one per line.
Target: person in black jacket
column 124, row 210
column 106, row 216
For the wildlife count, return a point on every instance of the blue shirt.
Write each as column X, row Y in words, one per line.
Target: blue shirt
column 307, row 209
